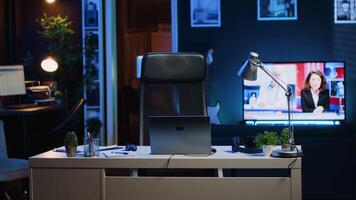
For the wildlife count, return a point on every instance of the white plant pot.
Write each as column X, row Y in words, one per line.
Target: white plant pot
column 267, row 149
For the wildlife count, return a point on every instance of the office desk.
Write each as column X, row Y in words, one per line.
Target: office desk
column 24, row 114
column 54, row 176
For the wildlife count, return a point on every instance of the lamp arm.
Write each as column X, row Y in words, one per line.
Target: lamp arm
column 254, row 63
column 288, row 93
column 286, row 89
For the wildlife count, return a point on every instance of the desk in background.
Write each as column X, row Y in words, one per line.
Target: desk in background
column 23, row 115
column 54, row 176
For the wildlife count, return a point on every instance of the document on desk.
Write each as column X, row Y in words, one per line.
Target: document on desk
column 80, row 149
column 118, row 153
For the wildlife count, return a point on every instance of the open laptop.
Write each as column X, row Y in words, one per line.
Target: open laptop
column 187, row 135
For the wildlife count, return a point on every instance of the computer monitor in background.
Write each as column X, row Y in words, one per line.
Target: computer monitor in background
column 12, row 80
column 138, row 66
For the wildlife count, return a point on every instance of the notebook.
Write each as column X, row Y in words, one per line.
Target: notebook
column 187, row 135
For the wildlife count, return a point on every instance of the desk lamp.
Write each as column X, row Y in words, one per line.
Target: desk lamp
column 49, row 64
column 249, row 72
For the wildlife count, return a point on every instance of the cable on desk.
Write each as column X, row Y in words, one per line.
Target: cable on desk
column 295, row 159
column 213, row 150
column 166, row 165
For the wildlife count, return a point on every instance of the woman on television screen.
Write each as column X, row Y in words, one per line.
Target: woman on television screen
column 315, row 95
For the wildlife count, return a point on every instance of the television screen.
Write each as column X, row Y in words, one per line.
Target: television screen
column 317, row 92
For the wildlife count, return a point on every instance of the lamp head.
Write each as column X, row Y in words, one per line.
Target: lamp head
column 49, row 64
column 248, row 70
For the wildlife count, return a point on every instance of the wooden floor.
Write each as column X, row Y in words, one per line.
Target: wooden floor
column 17, row 190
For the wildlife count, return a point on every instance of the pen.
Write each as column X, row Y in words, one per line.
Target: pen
column 110, row 148
column 119, row 152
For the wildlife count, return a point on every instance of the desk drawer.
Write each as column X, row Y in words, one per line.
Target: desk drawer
column 207, row 188
column 68, row 184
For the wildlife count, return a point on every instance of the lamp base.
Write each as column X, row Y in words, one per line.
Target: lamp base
column 280, row 153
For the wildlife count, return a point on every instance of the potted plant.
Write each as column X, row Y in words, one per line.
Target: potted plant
column 267, row 140
column 92, row 141
column 284, row 138
column 60, row 40
column 71, row 143
column 58, row 96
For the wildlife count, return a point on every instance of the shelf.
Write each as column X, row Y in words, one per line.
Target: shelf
column 92, row 107
column 91, row 28
column 92, row 25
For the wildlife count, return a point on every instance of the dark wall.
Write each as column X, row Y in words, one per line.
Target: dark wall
column 8, row 35
column 2, row 31
column 308, row 38
column 343, row 48
column 327, row 164
column 147, row 14
column 343, row 44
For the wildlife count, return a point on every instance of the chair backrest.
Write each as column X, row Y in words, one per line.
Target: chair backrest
column 171, row 84
column 3, row 150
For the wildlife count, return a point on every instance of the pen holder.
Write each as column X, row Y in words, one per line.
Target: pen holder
column 91, row 147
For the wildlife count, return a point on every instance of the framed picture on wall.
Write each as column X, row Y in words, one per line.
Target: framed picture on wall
column 345, row 11
column 205, row 13
column 268, row 10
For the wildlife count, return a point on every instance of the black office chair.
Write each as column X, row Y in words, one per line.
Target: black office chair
column 11, row 169
column 171, row 84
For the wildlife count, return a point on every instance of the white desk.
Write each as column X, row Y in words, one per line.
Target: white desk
column 54, row 176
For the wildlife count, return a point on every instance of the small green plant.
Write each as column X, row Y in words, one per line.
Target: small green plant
column 284, row 136
column 71, row 140
column 267, row 138
column 93, row 126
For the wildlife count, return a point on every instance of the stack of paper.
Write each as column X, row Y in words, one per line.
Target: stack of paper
column 118, row 153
